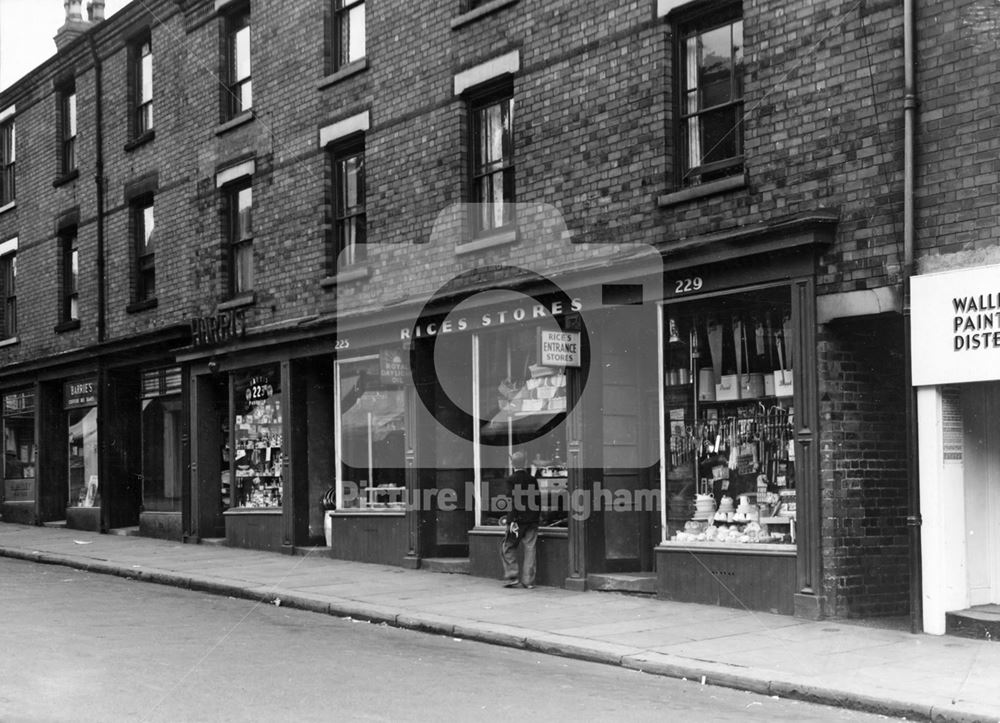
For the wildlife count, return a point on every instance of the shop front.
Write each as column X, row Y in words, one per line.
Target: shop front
column 739, row 478
column 17, row 502
column 80, row 454
column 261, row 414
column 956, row 372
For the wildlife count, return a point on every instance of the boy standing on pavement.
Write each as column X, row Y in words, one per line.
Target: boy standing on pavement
column 522, row 525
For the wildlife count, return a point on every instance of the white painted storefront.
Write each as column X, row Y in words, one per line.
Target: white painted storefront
column 956, row 370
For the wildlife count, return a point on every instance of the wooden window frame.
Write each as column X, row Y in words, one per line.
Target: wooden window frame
column 8, row 277
column 8, row 157
column 234, row 103
column 239, row 238
column 497, row 93
column 341, row 17
column 347, row 217
column 687, row 27
column 145, row 253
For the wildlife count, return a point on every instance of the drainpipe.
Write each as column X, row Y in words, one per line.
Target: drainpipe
column 99, row 181
column 913, row 520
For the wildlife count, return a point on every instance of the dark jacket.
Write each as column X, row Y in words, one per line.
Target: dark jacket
column 526, row 499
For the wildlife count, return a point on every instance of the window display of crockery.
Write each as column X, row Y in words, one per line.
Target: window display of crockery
column 543, row 392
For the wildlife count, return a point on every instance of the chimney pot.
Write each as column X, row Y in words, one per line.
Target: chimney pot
column 74, row 10
column 95, row 11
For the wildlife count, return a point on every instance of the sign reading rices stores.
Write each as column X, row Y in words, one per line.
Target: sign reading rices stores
column 955, row 317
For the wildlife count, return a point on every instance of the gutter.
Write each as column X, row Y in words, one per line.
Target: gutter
column 101, row 191
column 913, row 519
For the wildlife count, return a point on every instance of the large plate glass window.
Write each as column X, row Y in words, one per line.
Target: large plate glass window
column 521, row 405
column 728, row 379
column 371, row 440
column 80, row 397
column 20, row 452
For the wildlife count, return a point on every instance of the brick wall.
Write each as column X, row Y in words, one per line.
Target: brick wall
column 863, row 469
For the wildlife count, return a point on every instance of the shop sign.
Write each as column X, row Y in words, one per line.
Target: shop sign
column 392, row 367
column 259, row 390
column 80, row 393
column 558, row 348
column 955, row 318
column 18, row 402
column 491, row 319
column 20, row 490
column 218, row 328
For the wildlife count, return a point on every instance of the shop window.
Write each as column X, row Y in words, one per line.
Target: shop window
column 8, row 277
column 7, row 159
column 81, row 410
column 522, row 405
column 371, row 443
column 349, row 189
column 258, row 444
column 70, row 291
column 238, row 89
column 492, row 141
column 145, row 258
column 162, row 427
column 729, row 473
column 142, row 87
column 710, row 102
column 67, row 129
column 348, row 32
column 20, row 451
column 239, row 206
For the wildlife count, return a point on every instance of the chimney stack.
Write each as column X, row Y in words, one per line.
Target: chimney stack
column 75, row 25
column 95, row 11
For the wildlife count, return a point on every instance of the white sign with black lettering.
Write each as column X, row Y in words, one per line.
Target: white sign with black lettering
column 955, row 318
column 558, row 348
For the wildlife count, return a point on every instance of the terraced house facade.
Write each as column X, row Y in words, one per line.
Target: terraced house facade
column 300, row 274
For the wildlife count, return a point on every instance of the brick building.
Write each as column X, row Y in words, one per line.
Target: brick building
column 370, row 220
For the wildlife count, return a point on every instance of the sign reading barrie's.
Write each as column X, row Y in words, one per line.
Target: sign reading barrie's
column 956, row 326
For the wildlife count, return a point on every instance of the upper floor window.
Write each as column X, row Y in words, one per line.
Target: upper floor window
column 710, row 55
column 493, row 159
column 349, row 189
column 70, row 289
column 8, row 293
column 239, row 202
column 67, row 123
column 238, row 91
column 143, row 87
column 348, row 31
column 145, row 266
column 7, row 158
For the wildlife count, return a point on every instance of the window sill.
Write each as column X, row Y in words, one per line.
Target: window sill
column 8, row 207
column 481, row 243
column 484, row 9
column 711, row 188
column 140, row 140
column 359, row 512
column 347, row 71
column 354, row 273
column 9, row 341
column 238, row 302
column 66, row 178
column 68, row 325
column 235, row 122
column 253, row 511
column 137, row 306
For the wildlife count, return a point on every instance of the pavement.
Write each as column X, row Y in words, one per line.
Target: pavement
column 894, row 672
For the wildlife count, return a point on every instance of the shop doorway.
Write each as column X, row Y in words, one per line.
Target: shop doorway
column 981, row 407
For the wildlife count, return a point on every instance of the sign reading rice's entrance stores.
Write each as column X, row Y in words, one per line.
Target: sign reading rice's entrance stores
column 558, row 348
column 956, row 326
